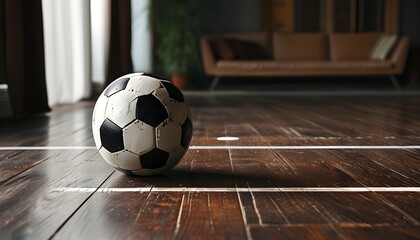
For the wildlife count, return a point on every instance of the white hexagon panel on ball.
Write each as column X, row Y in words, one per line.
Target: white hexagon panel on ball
column 168, row 136
column 163, row 95
column 119, row 109
column 127, row 160
column 177, row 111
column 98, row 117
column 142, row 85
column 108, row 157
column 139, row 137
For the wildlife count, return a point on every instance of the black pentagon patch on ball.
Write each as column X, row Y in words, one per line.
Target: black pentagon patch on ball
column 154, row 76
column 186, row 133
column 111, row 136
column 150, row 110
column 153, row 159
column 116, row 86
column 173, row 91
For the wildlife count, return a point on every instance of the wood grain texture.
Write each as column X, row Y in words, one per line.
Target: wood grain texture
column 31, row 208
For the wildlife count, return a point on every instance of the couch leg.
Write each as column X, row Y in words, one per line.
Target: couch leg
column 214, row 83
column 395, row 83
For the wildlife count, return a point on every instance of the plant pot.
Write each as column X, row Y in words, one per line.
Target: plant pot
column 180, row 81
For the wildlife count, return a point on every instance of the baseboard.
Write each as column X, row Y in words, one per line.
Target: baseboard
column 5, row 108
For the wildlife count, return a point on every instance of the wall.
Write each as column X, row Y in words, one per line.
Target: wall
column 221, row 16
column 409, row 25
column 410, row 21
column 5, row 108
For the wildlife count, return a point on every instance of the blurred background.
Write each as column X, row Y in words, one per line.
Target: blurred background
column 60, row 51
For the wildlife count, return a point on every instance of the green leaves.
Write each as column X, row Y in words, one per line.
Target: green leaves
column 176, row 27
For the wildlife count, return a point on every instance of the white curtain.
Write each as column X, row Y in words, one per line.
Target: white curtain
column 100, row 21
column 76, row 39
column 67, row 50
column 141, row 43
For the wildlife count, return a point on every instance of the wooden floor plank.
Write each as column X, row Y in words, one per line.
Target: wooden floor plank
column 194, row 217
column 407, row 202
column 65, row 126
column 361, row 208
column 404, row 232
column 362, row 163
column 350, row 164
column 211, row 216
column 294, row 232
column 404, row 163
column 105, row 215
column 30, row 207
column 323, row 208
column 225, row 216
column 324, row 231
column 21, row 161
column 158, row 217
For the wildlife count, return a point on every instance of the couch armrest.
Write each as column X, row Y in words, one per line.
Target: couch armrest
column 400, row 53
column 209, row 61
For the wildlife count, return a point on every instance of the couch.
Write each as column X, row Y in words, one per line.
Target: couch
column 303, row 54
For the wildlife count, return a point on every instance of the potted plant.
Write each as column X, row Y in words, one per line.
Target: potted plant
column 176, row 31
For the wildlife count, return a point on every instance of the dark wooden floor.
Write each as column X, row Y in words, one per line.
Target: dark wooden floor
column 224, row 193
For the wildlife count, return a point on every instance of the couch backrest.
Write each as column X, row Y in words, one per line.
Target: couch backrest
column 300, row 46
column 261, row 38
column 352, row 46
column 307, row 46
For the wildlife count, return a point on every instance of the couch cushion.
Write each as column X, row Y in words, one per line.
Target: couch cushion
column 383, row 47
column 221, row 49
column 232, row 48
column 224, row 46
column 261, row 38
column 352, row 46
column 244, row 46
column 300, row 46
column 246, row 50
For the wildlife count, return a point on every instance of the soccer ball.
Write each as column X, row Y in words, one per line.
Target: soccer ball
column 141, row 124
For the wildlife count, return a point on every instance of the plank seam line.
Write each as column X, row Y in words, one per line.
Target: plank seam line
column 241, row 189
column 197, row 147
column 81, row 205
